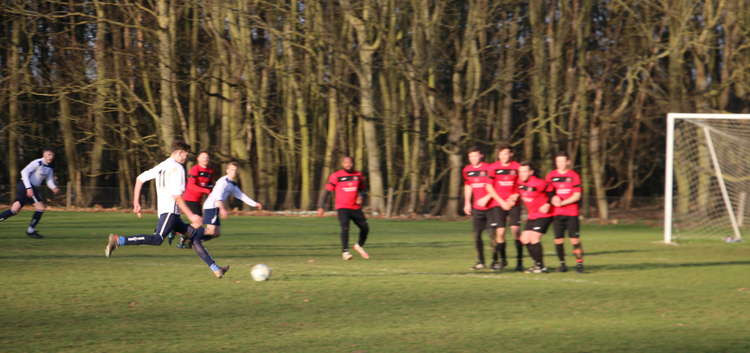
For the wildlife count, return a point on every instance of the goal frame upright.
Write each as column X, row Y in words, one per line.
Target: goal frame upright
column 669, row 169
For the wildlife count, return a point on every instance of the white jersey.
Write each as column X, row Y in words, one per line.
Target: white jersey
column 170, row 182
column 37, row 172
column 221, row 191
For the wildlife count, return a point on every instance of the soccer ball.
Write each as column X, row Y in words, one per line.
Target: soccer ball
column 260, row 272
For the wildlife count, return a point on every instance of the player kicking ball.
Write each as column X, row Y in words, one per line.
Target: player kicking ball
column 566, row 184
column 28, row 190
column 214, row 207
column 349, row 187
column 169, row 176
column 533, row 191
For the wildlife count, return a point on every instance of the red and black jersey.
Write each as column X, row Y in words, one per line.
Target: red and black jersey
column 347, row 186
column 478, row 178
column 504, row 178
column 199, row 183
column 565, row 185
column 534, row 194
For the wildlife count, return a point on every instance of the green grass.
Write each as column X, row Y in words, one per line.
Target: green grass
column 416, row 294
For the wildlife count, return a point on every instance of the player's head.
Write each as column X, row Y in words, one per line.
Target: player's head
column 562, row 160
column 504, row 153
column 347, row 163
column 203, row 159
column 525, row 170
column 48, row 155
column 475, row 155
column 180, row 151
column 232, row 170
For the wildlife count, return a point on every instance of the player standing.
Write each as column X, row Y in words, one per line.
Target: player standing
column 566, row 184
column 506, row 209
column 533, row 192
column 214, row 207
column 169, row 177
column 28, row 190
column 478, row 191
column 349, row 188
column 199, row 183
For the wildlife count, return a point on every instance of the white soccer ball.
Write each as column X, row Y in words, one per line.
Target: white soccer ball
column 260, row 272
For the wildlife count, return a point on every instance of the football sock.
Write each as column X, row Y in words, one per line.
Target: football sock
column 500, row 249
column 560, row 249
column 198, row 247
column 34, row 221
column 6, row 214
column 344, row 235
column 519, row 251
column 364, row 229
column 479, row 245
column 214, row 267
column 578, row 252
column 142, row 239
column 536, row 253
column 495, row 254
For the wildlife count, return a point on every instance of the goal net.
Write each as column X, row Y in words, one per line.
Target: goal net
column 707, row 176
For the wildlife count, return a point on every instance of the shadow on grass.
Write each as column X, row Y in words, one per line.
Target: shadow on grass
column 653, row 266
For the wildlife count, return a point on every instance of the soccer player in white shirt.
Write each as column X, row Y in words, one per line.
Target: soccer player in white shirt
column 214, row 207
column 169, row 176
column 28, row 190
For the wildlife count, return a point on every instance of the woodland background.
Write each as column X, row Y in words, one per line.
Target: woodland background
column 404, row 86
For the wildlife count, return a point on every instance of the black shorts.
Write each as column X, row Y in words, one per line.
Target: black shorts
column 482, row 219
column 168, row 223
column 538, row 225
column 500, row 218
column 195, row 207
column 569, row 223
column 25, row 200
column 356, row 216
column 211, row 216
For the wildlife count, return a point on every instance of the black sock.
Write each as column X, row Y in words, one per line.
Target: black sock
column 479, row 246
column 6, row 214
column 500, row 250
column 494, row 251
column 35, row 219
column 578, row 252
column 519, row 251
column 536, row 252
column 560, row 249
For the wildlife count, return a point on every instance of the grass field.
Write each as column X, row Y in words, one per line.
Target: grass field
column 416, row 294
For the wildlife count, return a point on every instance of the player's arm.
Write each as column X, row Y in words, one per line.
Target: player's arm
column 576, row 192
column 175, row 179
column 246, row 199
column 491, row 194
column 195, row 220
column 467, row 199
column 550, row 193
column 51, row 182
column 142, row 178
column 25, row 178
column 325, row 201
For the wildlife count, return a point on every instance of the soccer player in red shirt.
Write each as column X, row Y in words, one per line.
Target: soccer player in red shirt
column 349, row 187
column 199, row 183
column 566, row 184
column 506, row 210
column 534, row 193
column 478, row 191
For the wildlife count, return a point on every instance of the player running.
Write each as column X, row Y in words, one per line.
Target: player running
column 505, row 210
column 478, row 191
column 349, row 186
column 214, row 207
column 169, row 177
column 28, row 190
column 199, row 183
column 566, row 184
column 533, row 192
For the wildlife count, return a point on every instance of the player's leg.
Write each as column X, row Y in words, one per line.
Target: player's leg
column 198, row 237
column 532, row 236
column 493, row 216
column 575, row 240
column 358, row 217
column 479, row 220
column 213, row 224
column 37, row 216
column 560, row 224
column 498, row 222
column 164, row 226
column 515, row 231
column 344, row 216
column 17, row 205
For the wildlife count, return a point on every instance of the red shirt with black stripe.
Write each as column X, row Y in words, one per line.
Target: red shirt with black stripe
column 504, row 178
column 478, row 177
column 199, row 183
column 347, row 186
column 565, row 185
column 534, row 195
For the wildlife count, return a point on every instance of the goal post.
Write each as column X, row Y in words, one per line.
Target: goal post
column 707, row 175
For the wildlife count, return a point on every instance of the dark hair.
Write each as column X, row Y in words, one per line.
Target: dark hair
column 474, row 149
column 562, row 154
column 180, row 145
column 202, row 152
column 344, row 157
column 527, row 163
column 47, row 149
column 234, row 163
column 504, row 146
